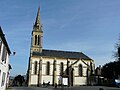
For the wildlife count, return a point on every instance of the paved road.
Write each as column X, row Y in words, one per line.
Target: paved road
column 65, row 88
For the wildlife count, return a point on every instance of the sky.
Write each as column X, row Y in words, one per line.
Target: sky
column 88, row 26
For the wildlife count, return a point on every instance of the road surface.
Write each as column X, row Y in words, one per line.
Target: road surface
column 65, row 88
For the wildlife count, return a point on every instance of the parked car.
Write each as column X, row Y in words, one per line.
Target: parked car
column 117, row 82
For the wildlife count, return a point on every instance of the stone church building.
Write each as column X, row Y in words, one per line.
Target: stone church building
column 56, row 66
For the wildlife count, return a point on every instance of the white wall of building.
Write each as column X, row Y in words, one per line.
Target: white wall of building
column 4, row 69
column 34, row 79
column 80, row 81
column 49, row 78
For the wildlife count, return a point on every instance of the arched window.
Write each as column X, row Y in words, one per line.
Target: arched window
column 35, row 67
column 80, row 70
column 35, row 39
column 38, row 40
column 61, row 68
column 48, row 68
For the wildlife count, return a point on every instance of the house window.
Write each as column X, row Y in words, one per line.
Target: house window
column 3, row 79
column 48, row 68
column 61, row 68
column 0, row 75
column 80, row 70
column 4, row 54
column 35, row 67
column 0, row 45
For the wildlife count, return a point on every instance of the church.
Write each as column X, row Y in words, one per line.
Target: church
column 56, row 66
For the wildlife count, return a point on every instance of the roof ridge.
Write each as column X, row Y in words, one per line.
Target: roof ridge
column 62, row 51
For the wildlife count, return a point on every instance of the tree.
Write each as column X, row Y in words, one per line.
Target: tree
column 19, row 80
column 117, row 52
column 111, row 70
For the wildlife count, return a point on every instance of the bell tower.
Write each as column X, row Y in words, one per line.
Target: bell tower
column 36, row 40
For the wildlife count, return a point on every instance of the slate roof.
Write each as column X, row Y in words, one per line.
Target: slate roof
column 62, row 54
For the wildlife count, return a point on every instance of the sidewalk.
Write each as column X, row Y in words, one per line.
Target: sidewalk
column 9, row 88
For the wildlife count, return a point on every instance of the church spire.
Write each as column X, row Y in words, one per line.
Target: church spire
column 36, row 45
column 37, row 22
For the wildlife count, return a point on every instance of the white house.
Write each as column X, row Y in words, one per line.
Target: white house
column 4, row 61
